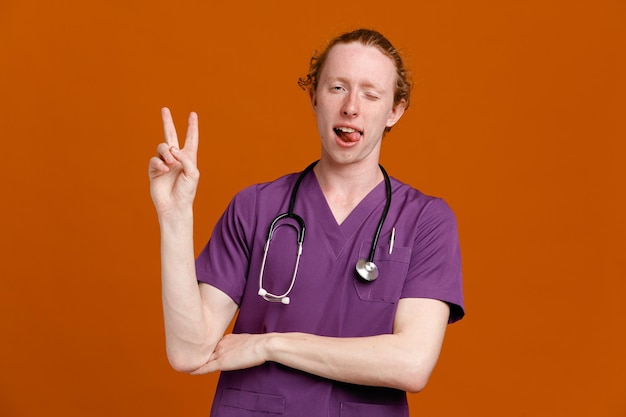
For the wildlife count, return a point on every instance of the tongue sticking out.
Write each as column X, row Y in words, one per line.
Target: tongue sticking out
column 348, row 134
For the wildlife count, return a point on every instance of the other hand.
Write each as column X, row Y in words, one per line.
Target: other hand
column 237, row 351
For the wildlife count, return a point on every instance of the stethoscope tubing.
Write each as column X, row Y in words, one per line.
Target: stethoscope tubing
column 365, row 268
column 383, row 217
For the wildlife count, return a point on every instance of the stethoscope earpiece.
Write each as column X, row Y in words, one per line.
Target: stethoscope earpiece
column 274, row 298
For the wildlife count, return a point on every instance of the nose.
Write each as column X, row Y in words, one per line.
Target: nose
column 350, row 106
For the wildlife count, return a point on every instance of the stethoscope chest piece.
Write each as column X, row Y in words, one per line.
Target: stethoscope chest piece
column 367, row 270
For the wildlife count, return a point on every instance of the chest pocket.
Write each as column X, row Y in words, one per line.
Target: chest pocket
column 392, row 272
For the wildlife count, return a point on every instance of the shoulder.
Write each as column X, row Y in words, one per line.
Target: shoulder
column 253, row 192
column 414, row 202
column 263, row 198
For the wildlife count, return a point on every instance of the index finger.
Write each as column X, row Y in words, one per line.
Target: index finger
column 169, row 130
column 191, row 140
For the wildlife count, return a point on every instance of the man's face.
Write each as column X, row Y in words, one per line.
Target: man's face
column 353, row 102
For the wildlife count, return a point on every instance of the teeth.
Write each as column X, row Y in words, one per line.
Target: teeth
column 346, row 129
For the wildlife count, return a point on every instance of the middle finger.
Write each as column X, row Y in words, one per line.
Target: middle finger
column 169, row 130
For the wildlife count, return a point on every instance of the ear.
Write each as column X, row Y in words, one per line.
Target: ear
column 396, row 113
column 313, row 97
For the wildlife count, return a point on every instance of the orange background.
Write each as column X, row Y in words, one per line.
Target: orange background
column 518, row 120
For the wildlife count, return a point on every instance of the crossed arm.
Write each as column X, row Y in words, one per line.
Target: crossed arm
column 402, row 360
column 196, row 315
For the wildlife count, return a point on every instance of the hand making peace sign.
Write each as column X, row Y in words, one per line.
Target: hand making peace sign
column 174, row 172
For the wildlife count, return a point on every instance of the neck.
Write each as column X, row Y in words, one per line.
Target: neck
column 349, row 177
column 344, row 186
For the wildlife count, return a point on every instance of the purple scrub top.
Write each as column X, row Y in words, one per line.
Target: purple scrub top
column 327, row 298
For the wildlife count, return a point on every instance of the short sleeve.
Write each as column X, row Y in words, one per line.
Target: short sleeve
column 223, row 263
column 435, row 265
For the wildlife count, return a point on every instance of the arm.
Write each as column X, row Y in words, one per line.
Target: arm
column 402, row 360
column 195, row 317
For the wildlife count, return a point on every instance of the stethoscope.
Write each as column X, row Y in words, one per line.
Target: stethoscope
column 366, row 268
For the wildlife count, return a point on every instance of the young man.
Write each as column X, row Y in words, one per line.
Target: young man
column 350, row 321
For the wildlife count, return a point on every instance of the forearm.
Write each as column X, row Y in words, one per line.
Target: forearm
column 386, row 360
column 186, row 329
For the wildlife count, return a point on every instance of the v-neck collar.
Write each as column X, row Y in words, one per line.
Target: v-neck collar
column 339, row 234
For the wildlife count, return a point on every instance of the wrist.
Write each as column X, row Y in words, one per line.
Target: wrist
column 180, row 216
column 271, row 346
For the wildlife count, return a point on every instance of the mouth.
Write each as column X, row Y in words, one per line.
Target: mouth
column 348, row 134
